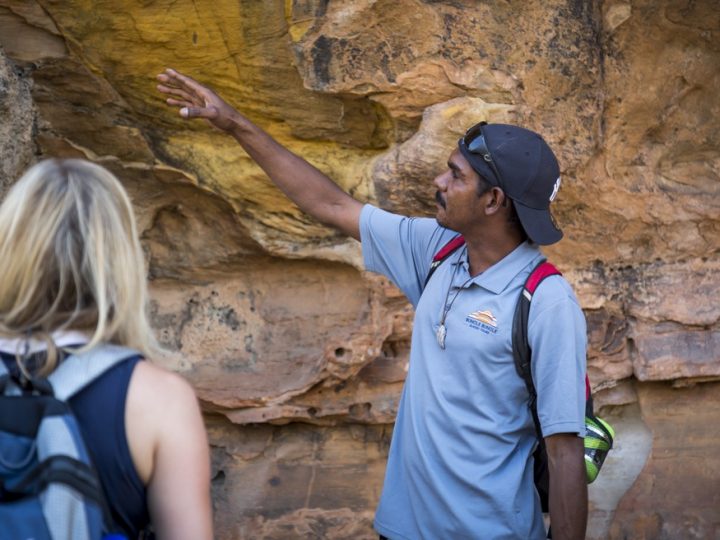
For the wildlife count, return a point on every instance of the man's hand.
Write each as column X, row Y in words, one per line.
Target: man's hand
column 196, row 100
column 305, row 185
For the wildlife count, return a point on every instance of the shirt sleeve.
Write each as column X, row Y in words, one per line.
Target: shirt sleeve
column 401, row 248
column 558, row 340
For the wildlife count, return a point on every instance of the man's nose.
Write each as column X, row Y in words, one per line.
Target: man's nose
column 440, row 180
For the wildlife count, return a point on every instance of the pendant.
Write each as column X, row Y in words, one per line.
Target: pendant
column 440, row 334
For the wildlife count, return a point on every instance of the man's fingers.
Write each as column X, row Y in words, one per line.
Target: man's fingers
column 179, row 103
column 184, row 80
column 199, row 112
column 178, row 93
column 192, row 97
column 171, row 83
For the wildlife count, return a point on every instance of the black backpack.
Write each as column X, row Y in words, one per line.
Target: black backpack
column 49, row 489
column 599, row 437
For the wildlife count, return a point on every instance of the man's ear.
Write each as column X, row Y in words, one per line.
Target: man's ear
column 495, row 201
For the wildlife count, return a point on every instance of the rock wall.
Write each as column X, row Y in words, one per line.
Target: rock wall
column 297, row 355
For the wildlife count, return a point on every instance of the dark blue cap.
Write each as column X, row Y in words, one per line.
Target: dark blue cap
column 529, row 173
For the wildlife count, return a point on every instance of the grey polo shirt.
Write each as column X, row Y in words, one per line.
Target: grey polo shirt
column 460, row 462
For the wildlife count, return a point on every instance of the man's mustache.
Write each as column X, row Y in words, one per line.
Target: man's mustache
column 439, row 199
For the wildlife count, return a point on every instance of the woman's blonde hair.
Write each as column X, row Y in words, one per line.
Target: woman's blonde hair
column 70, row 259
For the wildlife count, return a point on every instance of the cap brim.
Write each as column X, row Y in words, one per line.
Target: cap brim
column 538, row 224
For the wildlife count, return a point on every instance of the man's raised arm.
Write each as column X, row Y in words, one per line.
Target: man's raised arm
column 306, row 186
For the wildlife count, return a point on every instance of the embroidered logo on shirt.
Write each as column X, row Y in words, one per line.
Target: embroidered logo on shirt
column 484, row 321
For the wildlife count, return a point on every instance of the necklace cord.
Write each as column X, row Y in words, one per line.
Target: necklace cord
column 445, row 307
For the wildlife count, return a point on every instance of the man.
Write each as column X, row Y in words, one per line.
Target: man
column 459, row 463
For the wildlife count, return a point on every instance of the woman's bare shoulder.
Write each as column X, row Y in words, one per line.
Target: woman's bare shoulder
column 154, row 384
column 170, row 451
column 160, row 406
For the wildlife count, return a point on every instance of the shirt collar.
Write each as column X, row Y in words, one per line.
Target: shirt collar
column 60, row 338
column 496, row 278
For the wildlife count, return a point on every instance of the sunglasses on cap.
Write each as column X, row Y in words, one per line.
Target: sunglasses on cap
column 474, row 141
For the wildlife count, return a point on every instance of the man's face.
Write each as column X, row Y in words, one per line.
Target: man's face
column 458, row 204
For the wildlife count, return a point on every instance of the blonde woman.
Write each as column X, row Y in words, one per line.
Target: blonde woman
column 72, row 276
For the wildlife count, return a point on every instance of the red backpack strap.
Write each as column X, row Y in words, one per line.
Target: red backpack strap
column 448, row 249
column 546, row 269
column 540, row 272
column 520, row 344
column 521, row 347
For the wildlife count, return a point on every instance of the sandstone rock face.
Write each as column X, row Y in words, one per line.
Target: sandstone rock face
column 18, row 122
column 297, row 355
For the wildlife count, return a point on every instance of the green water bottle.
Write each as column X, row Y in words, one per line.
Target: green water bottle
column 599, row 436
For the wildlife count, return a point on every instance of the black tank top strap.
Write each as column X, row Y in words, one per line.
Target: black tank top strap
column 100, row 410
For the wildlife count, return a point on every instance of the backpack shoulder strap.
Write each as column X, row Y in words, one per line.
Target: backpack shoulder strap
column 79, row 370
column 448, row 249
column 5, row 380
column 520, row 344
